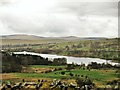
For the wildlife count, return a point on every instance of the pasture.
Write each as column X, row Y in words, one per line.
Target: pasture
column 99, row 77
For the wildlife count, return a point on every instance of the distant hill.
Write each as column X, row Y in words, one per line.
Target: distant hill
column 33, row 37
column 94, row 38
column 22, row 36
column 70, row 38
column 82, row 38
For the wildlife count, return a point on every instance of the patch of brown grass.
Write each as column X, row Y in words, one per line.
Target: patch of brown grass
column 6, row 76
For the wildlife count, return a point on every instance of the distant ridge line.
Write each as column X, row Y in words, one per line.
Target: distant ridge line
column 34, row 37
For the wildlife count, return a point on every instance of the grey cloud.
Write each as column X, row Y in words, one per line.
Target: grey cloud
column 61, row 19
column 92, row 8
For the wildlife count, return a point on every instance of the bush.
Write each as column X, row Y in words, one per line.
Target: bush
column 71, row 74
column 62, row 72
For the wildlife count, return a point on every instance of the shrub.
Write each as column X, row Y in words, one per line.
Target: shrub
column 62, row 72
column 71, row 74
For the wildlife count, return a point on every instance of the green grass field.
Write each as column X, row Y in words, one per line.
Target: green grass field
column 99, row 77
column 46, row 66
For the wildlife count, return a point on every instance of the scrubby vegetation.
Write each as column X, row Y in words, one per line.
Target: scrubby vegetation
column 103, row 48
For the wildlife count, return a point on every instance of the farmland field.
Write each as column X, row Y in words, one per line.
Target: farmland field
column 99, row 77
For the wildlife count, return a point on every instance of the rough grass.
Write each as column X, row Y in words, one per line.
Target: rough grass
column 100, row 77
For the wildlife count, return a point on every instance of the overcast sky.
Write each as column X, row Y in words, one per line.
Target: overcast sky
column 59, row 18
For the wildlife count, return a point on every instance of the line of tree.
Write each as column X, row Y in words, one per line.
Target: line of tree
column 95, row 65
column 14, row 63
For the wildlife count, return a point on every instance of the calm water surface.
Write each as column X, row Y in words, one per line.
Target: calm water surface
column 78, row 60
